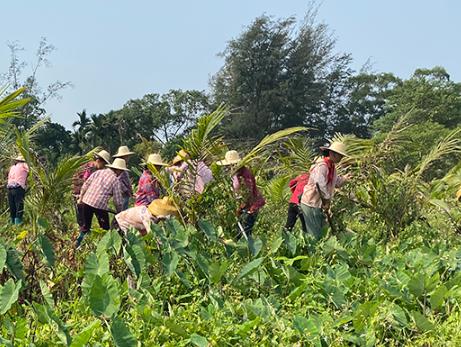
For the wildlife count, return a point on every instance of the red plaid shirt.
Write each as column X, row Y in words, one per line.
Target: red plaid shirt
column 148, row 189
column 98, row 189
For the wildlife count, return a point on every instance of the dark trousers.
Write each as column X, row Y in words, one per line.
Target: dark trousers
column 79, row 213
column 247, row 222
column 294, row 212
column 16, row 202
column 101, row 215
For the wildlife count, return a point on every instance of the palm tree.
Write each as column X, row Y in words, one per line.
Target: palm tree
column 82, row 123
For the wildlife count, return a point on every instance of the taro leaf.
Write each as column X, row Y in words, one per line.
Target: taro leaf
column 290, row 242
column 198, row 340
column 249, row 268
column 416, row 285
column 254, row 246
column 421, row 322
column 111, row 241
column 47, row 249
column 275, row 245
column 216, row 271
column 81, row 340
column 63, row 331
column 9, row 295
column 170, row 262
column 305, row 326
column 121, row 334
column 399, row 315
column 97, row 264
column 208, row 229
column 2, row 257
column 135, row 259
column 438, row 297
column 46, row 294
column 5, row 342
column 203, row 264
column 104, row 296
column 14, row 264
column 176, row 328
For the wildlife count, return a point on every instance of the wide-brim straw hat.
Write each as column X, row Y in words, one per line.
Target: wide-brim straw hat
column 181, row 156
column 163, row 207
column 155, row 159
column 231, row 157
column 337, row 147
column 123, row 151
column 104, row 155
column 19, row 158
column 118, row 164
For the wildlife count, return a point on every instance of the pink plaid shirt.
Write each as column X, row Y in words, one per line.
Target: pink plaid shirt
column 99, row 187
column 148, row 189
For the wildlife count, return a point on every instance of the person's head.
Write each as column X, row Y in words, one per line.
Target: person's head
column 19, row 159
column 163, row 208
column 231, row 160
column 180, row 158
column 123, row 153
column 118, row 166
column 336, row 151
column 155, row 160
column 102, row 159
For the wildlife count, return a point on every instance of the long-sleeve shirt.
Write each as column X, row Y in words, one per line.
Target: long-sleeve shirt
column 137, row 217
column 185, row 174
column 100, row 187
column 244, row 184
column 125, row 181
column 148, row 189
column 17, row 176
column 319, row 174
column 83, row 173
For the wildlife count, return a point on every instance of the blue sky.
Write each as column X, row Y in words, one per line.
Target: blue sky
column 116, row 50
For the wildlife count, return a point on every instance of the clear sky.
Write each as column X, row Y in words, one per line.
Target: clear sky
column 116, row 50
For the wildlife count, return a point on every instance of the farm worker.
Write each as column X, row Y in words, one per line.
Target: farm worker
column 17, row 180
column 140, row 217
column 320, row 188
column 148, row 185
column 95, row 195
column 101, row 159
column 294, row 211
column 244, row 186
column 127, row 191
column 193, row 175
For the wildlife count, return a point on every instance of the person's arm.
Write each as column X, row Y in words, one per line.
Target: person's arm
column 319, row 177
column 117, row 196
column 85, row 186
column 342, row 180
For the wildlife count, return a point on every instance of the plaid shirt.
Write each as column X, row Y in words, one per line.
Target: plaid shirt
column 98, row 189
column 83, row 173
column 148, row 189
column 125, row 181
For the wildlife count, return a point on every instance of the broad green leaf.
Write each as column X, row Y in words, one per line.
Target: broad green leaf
column 3, row 255
column 291, row 242
column 176, row 328
column 14, row 264
column 170, row 262
column 104, row 296
column 97, row 264
column 249, row 268
column 9, row 295
column 46, row 294
column 305, row 326
column 254, row 245
column 416, row 285
column 217, row 270
column 275, row 245
column 83, row 337
column 121, row 334
column 399, row 315
column 47, row 249
column 134, row 258
column 421, row 322
column 198, row 340
column 438, row 297
column 110, row 242
column 208, row 229
column 5, row 342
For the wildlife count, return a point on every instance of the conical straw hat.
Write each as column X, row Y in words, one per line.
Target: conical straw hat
column 123, row 151
column 104, row 155
column 231, row 157
column 181, row 156
column 19, row 158
column 155, row 159
column 163, row 207
column 337, row 147
column 119, row 164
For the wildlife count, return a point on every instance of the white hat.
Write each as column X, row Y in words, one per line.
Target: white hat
column 155, row 159
column 337, row 147
column 123, row 151
column 19, row 158
column 231, row 157
column 104, row 155
column 119, row 164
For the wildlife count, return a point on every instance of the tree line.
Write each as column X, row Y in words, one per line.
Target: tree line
column 277, row 73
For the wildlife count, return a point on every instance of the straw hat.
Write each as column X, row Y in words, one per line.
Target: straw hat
column 181, row 156
column 123, row 151
column 337, row 147
column 162, row 208
column 104, row 155
column 118, row 164
column 155, row 159
column 231, row 157
column 19, row 158
column 458, row 194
